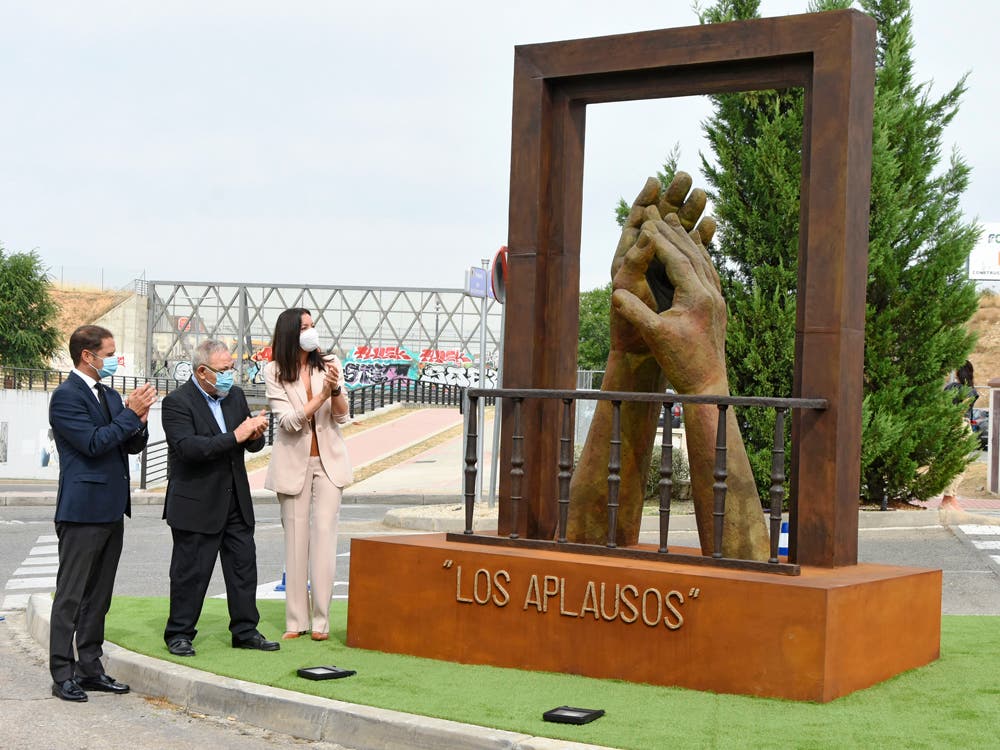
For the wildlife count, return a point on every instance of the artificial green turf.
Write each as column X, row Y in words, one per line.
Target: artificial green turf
column 954, row 702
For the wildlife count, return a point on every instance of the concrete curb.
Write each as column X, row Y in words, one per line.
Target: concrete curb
column 296, row 714
column 441, row 517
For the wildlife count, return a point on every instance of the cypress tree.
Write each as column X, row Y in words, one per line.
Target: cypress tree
column 919, row 299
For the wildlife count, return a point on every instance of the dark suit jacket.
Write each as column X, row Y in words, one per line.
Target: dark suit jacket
column 93, row 461
column 205, row 465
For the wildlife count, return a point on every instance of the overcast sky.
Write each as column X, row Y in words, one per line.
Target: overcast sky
column 342, row 143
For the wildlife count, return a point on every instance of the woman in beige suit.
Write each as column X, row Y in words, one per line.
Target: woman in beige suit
column 309, row 467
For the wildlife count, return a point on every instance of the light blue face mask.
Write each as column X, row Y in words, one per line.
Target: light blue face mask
column 223, row 381
column 108, row 368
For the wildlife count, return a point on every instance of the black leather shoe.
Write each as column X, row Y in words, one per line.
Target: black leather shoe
column 68, row 690
column 256, row 641
column 104, row 684
column 180, row 647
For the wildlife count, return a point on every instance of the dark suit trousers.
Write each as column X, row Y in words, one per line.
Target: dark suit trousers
column 88, row 562
column 191, row 566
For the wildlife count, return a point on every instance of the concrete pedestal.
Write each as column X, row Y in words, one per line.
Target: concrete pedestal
column 817, row 636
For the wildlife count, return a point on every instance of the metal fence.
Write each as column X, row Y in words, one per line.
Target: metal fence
column 564, row 472
column 361, row 401
column 21, row 379
column 184, row 313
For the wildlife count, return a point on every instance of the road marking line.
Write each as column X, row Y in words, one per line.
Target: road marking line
column 47, row 539
column 980, row 529
column 40, row 561
column 991, row 544
column 53, row 550
column 31, row 583
column 35, row 570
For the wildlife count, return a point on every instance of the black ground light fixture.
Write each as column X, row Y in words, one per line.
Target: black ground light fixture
column 570, row 715
column 326, row 673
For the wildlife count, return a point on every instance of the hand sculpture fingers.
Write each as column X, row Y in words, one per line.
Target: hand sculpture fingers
column 673, row 196
column 636, row 312
column 697, row 238
column 647, row 198
column 706, row 230
column 674, row 235
column 632, row 274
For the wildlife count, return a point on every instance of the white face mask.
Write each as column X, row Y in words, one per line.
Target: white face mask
column 309, row 340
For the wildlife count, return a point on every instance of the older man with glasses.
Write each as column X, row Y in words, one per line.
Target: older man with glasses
column 209, row 426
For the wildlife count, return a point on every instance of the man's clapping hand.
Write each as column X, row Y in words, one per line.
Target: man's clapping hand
column 252, row 427
column 141, row 399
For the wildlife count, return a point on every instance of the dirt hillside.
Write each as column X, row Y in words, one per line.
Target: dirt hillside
column 82, row 305
column 985, row 357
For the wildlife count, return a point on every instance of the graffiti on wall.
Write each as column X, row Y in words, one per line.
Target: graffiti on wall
column 377, row 365
column 258, row 360
column 381, row 365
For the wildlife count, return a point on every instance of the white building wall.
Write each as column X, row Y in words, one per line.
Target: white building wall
column 26, row 451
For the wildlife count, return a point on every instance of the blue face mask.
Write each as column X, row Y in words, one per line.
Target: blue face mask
column 108, row 368
column 223, row 382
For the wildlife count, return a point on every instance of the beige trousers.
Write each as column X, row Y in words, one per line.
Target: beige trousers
column 310, row 523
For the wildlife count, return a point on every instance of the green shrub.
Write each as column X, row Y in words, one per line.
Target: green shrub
column 681, row 475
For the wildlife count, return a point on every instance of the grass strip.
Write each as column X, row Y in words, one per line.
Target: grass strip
column 950, row 703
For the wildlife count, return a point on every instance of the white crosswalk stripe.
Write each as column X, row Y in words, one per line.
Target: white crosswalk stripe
column 976, row 529
column 984, row 537
column 36, row 574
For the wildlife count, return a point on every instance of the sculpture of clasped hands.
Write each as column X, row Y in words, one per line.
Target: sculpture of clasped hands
column 668, row 324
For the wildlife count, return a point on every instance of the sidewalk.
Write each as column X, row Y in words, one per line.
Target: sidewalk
column 387, row 439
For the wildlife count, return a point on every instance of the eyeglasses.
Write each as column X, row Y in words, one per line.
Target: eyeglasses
column 219, row 372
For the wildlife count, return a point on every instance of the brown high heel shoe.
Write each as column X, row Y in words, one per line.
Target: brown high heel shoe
column 320, row 636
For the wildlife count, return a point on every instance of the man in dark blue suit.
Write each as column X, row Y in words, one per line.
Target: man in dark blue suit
column 209, row 428
column 94, row 431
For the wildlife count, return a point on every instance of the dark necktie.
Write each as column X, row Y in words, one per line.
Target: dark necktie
column 104, row 401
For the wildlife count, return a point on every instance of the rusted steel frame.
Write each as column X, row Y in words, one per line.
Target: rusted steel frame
column 565, row 467
column 470, row 463
column 614, row 471
column 680, row 398
column 632, row 553
column 516, row 468
column 777, row 481
column 719, row 487
column 832, row 56
column 666, row 474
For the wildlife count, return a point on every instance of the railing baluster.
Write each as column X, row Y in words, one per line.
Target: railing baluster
column 614, row 471
column 143, row 461
column 666, row 474
column 719, row 487
column 777, row 481
column 470, row 466
column 516, row 468
column 565, row 466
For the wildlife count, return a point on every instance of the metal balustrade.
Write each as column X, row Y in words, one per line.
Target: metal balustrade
column 515, row 398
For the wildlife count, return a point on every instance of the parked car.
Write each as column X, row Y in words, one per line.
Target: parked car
column 980, row 423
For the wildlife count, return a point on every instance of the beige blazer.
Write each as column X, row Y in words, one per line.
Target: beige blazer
column 286, row 471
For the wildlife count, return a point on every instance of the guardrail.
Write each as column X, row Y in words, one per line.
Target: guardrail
column 564, row 472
